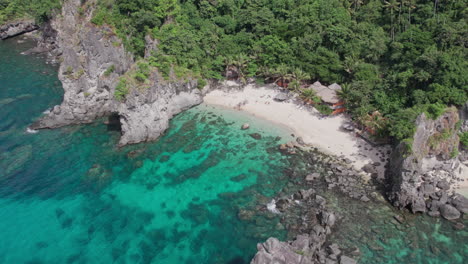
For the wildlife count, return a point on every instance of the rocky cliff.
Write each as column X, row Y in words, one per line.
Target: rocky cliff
column 92, row 60
column 421, row 173
column 17, row 28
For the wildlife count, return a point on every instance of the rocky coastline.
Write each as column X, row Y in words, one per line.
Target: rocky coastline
column 420, row 181
column 421, row 176
column 16, row 28
column 85, row 53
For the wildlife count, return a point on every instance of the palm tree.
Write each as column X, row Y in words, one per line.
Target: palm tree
column 300, row 76
column 309, row 96
column 344, row 93
column 238, row 64
column 283, row 74
column 392, row 6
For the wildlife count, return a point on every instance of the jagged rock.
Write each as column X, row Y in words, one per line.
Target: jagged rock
column 280, row 97
column 369, row 168
column 433, row 213
column 327, row 218
column 444, row 185
column 275, row 252
column 245, row 126
column 88, row 51
column 320, row 200
column 151, row 46
column 312, row 176
column 347, row 260
column 304, row 194
column 17, row 28
column 282, row 204
column 427, row 188
column 300, row 141
column 449, row 212
column 434, row 205
column 405, row 169
column 334, row 249
column 460, row 202
column 418, row 204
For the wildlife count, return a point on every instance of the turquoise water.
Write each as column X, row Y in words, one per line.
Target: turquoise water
column 71, row 196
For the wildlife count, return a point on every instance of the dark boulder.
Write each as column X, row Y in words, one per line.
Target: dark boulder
column 256, row 136
column 443, row 184
column 449, row 212
column 461, row 203
column 280, row 97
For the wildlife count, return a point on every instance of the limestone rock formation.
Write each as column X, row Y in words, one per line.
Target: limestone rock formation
column 417, row 183
column 17, row 28
column 93, row 60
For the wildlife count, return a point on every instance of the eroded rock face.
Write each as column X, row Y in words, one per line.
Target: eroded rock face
column 88, row 53
column 145, row 114
column 415, row 186
column 17, row 28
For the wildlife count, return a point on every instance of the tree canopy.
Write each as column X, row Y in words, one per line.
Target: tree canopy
column 393, row 55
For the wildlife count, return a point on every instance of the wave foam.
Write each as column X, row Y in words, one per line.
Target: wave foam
column 31, row 131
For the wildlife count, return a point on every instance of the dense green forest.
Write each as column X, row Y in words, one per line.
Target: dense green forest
column 398, row 57
column 40, row 10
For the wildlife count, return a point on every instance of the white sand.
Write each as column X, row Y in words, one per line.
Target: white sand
column 326, row 134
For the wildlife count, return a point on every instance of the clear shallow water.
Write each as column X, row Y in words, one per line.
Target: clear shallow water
column 70, row 196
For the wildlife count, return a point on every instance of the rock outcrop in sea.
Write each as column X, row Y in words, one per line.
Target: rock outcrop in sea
column 16, row 28
column 92, row 61
column 422, row 172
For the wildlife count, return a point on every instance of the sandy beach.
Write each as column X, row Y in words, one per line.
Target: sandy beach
column 326, row 133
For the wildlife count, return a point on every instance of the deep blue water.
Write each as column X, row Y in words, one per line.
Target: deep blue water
column 70, row 196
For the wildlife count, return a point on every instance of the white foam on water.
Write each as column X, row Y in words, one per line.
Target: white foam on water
column 271, row 206
column 31, row 131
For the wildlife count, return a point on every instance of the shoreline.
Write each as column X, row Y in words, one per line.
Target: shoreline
column 326, row 134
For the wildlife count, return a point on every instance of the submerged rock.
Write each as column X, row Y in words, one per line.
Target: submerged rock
column 256, row 136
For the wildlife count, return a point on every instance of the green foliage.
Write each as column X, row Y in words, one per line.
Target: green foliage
column 40, row 10
column 79, row 73
column 434, row 111
column 143, row 72
column 201, row 83
column 464, row 139
column 109, row 70
column 68, row 71
column 454, row 153
column 400, row 58
column 323, row 109
column 121, row 90
column 402, row 125
column 407, row 144
column 436, row 139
